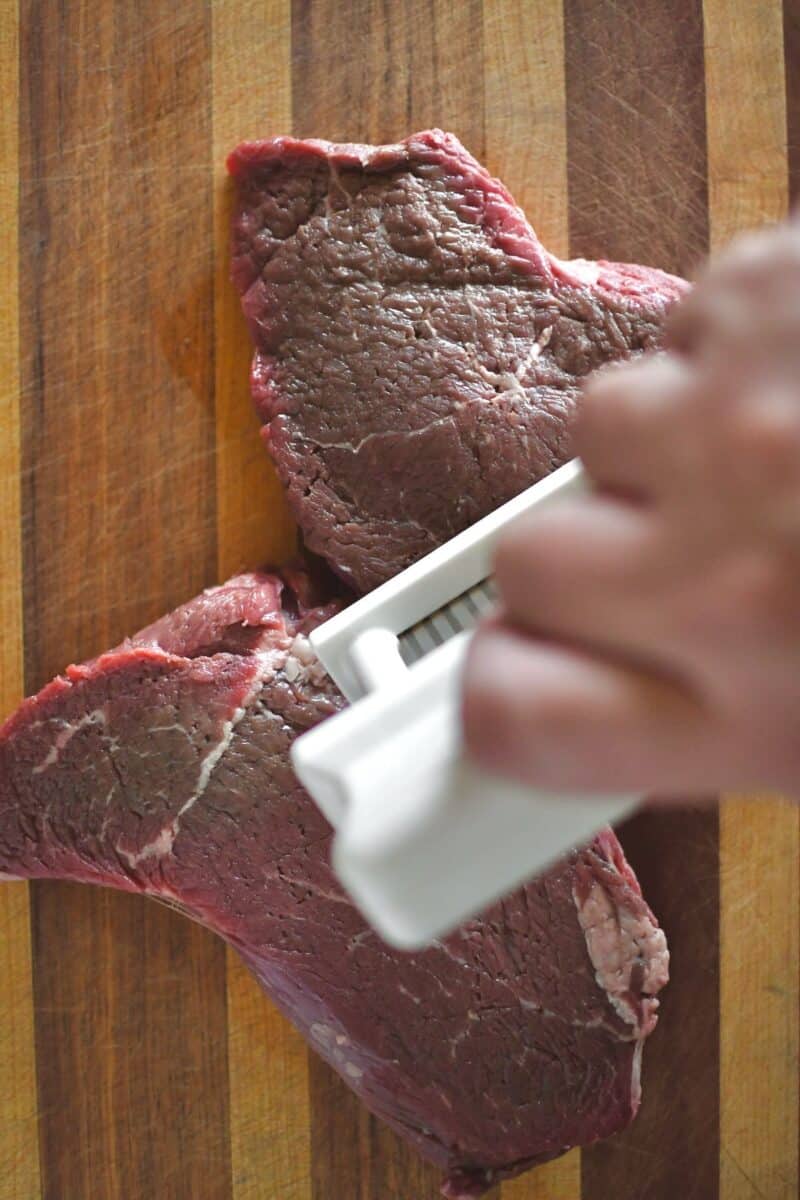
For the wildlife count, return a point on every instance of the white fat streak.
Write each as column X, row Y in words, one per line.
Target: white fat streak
column 212, row 758
column 97, row 716
column 302, row 663
column 534, row 352
column 162, row 844
column 615, row 940
column 356, row 447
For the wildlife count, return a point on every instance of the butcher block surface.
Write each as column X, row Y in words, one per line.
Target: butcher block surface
column 138, row 1058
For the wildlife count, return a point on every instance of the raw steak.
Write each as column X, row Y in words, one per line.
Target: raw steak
column 418, row 352
column 162, row 767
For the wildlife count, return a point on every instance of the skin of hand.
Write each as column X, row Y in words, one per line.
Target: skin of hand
column 648, row 639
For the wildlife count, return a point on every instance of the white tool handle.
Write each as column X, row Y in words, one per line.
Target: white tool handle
column 433, row 581
column 423, row 838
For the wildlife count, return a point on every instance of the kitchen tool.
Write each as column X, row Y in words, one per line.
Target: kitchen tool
column 424, row 838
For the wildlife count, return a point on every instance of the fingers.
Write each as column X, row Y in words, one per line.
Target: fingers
column 559, row 720
column 749, row 297
column 590, row 571
column 629, row 419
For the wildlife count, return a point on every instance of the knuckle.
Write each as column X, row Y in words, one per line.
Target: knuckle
column 598, row 410
column 763, row 262
column 554, row 718
column 507, row 553
column 748, row 253
column 767, row 439
column 527, row 548
column 485, row 704
column 766, row 590
column 635, row 394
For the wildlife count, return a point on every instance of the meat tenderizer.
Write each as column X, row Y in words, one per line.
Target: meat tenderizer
column 424, row 839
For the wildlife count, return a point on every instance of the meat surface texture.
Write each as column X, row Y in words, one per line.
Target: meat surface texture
column 162, row 767
column 418, row 352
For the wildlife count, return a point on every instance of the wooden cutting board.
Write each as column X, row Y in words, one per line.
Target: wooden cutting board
column 138, row 1060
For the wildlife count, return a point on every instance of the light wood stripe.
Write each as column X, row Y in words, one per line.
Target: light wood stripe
column 759, row 839
column 760, row 842
column 118, row 513
column 526, row 122
column 267, row 1060
column 745, row 116
column 558, row 1180
column 19, row 1160
column 526, row 146
column 268, row 1072
column 251, row 99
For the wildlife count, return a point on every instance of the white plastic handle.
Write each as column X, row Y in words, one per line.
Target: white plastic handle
column 424, row 839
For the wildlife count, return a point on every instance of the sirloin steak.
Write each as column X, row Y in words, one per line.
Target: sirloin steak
column 418, row 352
column 162, row 767
column 418, row 355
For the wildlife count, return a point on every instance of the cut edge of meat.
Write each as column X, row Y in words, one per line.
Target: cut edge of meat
column 295, row 201
column 233, row 677
column 502, row 215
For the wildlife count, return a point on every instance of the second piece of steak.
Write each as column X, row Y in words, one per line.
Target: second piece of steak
column 418, row 351
column 162, row 767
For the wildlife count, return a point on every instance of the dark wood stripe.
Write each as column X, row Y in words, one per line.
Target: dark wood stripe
column 375, row 71
column 638, row 191
column 791, row 58
column 117, row 335
column 672, row 1148
column 636, row 132
column 340, row 1131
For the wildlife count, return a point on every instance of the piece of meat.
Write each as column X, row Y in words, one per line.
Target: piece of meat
column 418, row 352
column 162, row 767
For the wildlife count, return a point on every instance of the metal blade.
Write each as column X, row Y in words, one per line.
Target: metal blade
column 459, row 615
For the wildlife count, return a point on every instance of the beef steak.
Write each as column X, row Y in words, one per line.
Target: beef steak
column 162, row 767
column 417, row 357
column 418, row 351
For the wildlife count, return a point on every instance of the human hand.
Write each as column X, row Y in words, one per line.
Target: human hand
column 649, row 636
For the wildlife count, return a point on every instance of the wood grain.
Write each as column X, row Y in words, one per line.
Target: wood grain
column 747, row 171
column 10, row 534
column 759, row 839
column 526, row 111
column 375, row 70
column 526, row 146
column 19, row 1148
column 636, row 132
column 759, row 999
column 251, row 98
column 352, row 80
column 116, row 330
column 19, row 1157
column 634, row 195
column 267, row 1059
column 131, row 475
column 791, row 60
